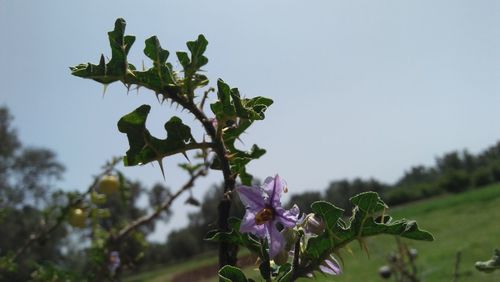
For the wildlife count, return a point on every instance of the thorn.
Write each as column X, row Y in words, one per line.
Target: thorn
column 238, row 138
column 104, row 89
column 161, row 168
column 158, row 97
column 102, row 61
column 186, row 156
column 128, row 88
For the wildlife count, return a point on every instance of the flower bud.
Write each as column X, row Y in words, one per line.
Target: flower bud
column 314, row 224
column 413, row 253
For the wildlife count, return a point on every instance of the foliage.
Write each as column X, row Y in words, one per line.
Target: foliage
column 232, row 115
column 28, row 202
column 369, row 218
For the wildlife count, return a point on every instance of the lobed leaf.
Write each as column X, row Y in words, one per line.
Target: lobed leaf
column 369, row 202
column 144, row 147
column 117, row 67
column 328, row 212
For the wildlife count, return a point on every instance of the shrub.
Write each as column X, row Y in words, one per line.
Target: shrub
column 455, row 181
column 482, row 177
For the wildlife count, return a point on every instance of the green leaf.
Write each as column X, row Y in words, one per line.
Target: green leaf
column 369, row 202
column 230, row 105
column 223, row 108
column 403, row 227
column 197, row 49
column 145, row 148
column 192, row 65
column 154, row 51
column 117, row 67
column 234, row 236
column 231, row 274
column 285, row 273
column 318, row 246
column 97, row 198
column 161, row 77
column 101, row 213
column 328, row 212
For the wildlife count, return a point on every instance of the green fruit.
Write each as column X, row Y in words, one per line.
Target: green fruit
column 109, row 184
column 77, row 218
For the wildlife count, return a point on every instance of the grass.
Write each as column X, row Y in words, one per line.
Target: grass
column 165, row 274
column 467, row 222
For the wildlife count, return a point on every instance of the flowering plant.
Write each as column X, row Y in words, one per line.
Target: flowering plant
column 289, row 245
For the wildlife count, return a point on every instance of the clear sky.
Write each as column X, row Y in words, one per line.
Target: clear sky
column 361, row 88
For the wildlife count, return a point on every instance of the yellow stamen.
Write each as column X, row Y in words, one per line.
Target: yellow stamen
column 263, row 215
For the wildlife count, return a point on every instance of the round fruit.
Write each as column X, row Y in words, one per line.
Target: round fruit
column 413, row 253
column 385, row 272
column 109, row 184
column 77, row 218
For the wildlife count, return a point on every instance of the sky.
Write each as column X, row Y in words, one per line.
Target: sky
column 361, row 88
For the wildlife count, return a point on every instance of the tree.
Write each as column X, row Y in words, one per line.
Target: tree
column 26, row 193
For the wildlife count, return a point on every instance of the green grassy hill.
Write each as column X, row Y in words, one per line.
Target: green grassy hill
column 467, row 222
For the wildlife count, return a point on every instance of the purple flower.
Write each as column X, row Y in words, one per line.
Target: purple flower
column 330, row 266
column 264, row 211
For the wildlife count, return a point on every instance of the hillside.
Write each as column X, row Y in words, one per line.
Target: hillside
column 468, row 222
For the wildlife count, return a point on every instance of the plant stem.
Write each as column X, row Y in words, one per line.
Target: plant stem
column 296, row 255
column 227, row 251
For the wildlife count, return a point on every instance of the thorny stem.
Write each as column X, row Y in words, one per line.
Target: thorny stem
column 227, row 252
column 265, row 260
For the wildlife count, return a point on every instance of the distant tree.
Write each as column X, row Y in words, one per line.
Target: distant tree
column 417, row 175
column 304, row 200
column 26, row 191
column 339, row 192
column 449, row 162
column 455, row 181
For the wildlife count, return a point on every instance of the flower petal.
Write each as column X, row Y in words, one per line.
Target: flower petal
column 289, row 217
column 251, row 197
column 248, row 225
column 273, row 186
column 276, row 240
column 330, row 266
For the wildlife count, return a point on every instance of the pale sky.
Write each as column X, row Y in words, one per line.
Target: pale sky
column 361, row 88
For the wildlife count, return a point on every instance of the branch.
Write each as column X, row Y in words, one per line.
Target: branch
column 60, row 219
column 164, row 206
column 148, row 218
column 205, row 96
